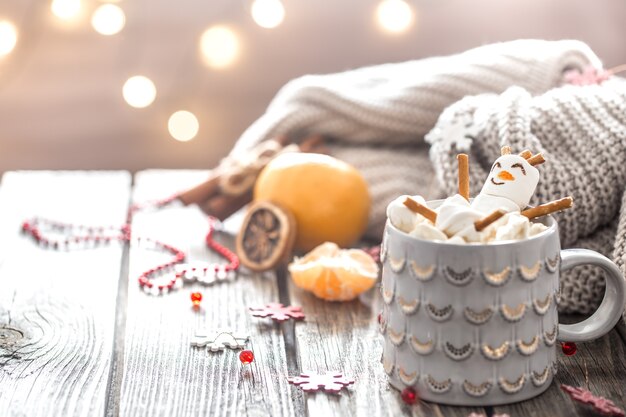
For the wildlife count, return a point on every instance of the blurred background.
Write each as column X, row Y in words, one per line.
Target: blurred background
column 134, row 84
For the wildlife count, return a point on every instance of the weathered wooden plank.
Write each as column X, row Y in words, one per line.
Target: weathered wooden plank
column 599, row 366
column 57, row 308
column 163, row 375
column 344, row 337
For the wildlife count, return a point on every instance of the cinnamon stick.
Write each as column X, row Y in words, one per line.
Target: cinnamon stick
column 464, row 185
column 482, row 224
column 548, row 208
column 201, row 192
column 536, row 160
column 526, row 154
column 416, row 207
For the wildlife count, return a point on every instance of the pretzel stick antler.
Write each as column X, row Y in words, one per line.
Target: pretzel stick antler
column 548, row 208
column 418, row 208
column 482, row 224
column 536, row 160
column 526, row 154
column 464, row 185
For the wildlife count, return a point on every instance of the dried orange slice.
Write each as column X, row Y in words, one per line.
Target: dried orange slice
column 334, row 274
column 266, row 237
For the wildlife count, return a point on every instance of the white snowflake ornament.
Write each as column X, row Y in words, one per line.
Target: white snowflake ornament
column 217, row 340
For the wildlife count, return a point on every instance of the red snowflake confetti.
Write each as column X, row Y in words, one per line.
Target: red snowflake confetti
column 278, row 312
column 587, row 76
column 568, row 348
column 331, row 382
column 373, row 251
column 599, row 404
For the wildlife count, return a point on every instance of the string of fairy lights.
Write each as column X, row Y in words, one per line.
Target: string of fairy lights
column 219, row 45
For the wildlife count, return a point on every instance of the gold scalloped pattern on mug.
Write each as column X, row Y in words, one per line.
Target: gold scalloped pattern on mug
column 395, row 337
column 383, row 250
column 530, row 273
column 540, row 378
column 550, row 337
column 422, row 273
column 552, row 264
column 478, row 317
column 396, row 265
column 422, row 348
column 407, row 378
column 512, row 387
column 497, row 279
column 528, row 348
column 382, row 323
column 387, row 293
column 541, row 306
column 497, row 353
column 479, row 390
column 459, row 279
column 438, row 387
column 513, row 314
column 387, row 365
column 439, row 314
column 458, row 353
column 408, row 307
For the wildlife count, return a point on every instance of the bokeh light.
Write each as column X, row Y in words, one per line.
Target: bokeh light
column 8, row 37
column 139, row 91
column 394, row 16
column 65, row 9
column 268, row 13
column 183, row 125
column 219, row 46
column 108, row 19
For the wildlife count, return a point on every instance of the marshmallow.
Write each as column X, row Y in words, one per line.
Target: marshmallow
column 455, row 214
column 401, row 216
column 512, row 178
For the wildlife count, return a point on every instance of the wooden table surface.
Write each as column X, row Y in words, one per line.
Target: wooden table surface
column 79, row 338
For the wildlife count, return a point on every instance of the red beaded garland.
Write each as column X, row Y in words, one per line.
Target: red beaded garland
column 409, row 396
column 196, row 298
column 568, row 348
column 85, row 236
column 246, row 357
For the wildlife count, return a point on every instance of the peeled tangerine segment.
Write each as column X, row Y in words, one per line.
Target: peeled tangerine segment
column 334, row 274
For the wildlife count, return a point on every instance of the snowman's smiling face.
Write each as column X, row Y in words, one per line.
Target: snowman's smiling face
column 503, row 174
column 512, row 177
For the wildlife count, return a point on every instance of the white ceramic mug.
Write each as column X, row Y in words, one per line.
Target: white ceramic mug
column 477, row 324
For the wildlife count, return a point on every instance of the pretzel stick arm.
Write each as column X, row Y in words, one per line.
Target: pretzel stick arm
column 481, row 224
column 418, row 208
column 463, row 161
column 549, row 208
column 536, row 160
column 526, row 154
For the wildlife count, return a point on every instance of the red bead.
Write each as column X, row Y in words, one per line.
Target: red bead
column 409, row 396
column 196, row 298
column 380, row 318
column 569, row 348
column 246, row 356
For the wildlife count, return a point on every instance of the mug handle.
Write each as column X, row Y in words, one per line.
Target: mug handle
column 612, row 306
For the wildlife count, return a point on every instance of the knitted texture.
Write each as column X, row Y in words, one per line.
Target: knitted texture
column 582, row 133
column 378, row 117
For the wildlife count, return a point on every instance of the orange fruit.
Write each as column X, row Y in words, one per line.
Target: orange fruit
column 328, row 198
column 334, row 274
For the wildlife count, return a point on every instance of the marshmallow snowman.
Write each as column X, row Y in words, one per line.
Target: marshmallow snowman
column 510, row 185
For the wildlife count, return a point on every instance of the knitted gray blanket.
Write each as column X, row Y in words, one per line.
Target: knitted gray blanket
column 508, row 93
